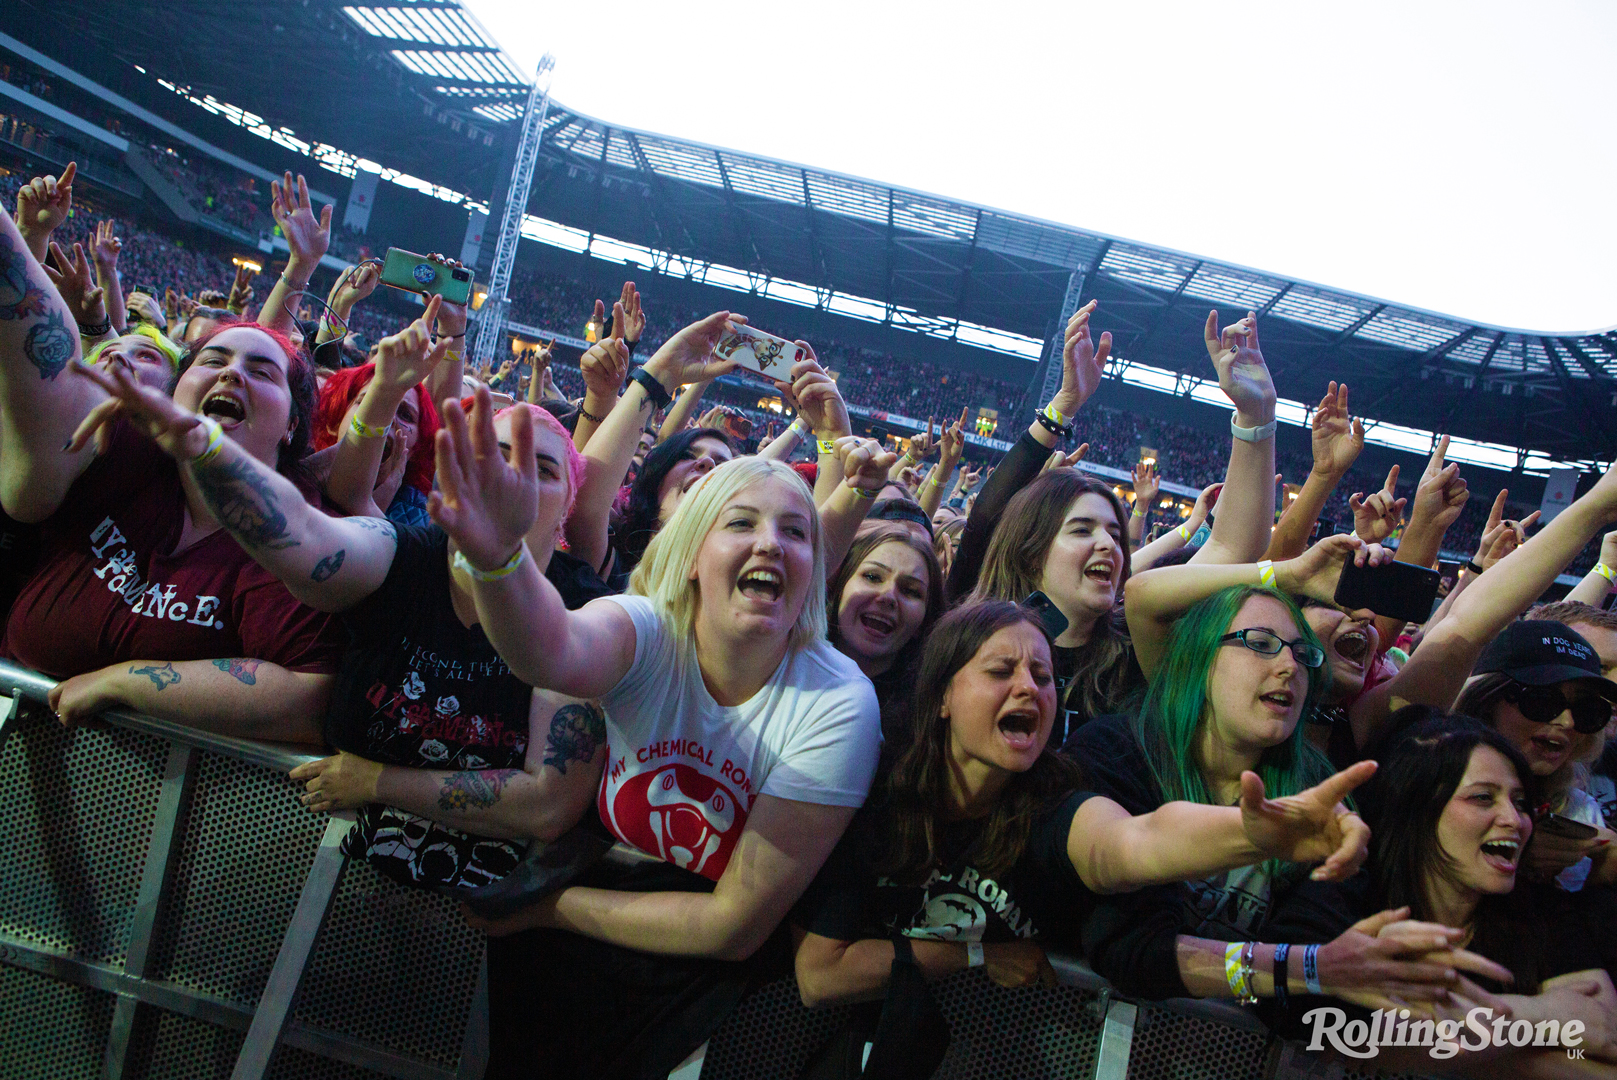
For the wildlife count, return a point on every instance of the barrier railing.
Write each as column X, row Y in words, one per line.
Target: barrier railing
column 169, row 909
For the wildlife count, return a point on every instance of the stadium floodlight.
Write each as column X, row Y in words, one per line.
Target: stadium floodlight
column 491, row 319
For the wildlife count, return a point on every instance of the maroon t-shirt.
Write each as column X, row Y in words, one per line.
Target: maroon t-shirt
column 109, row 586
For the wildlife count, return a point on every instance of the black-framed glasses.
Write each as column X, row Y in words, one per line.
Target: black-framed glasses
column 1541, row 704
column 1268, row 643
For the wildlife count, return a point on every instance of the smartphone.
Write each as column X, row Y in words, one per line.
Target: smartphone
column 1055, row 623
column 1397, row 590
column 737, row 426
column 419, row 274
column 1565, row 827
column 765, row 354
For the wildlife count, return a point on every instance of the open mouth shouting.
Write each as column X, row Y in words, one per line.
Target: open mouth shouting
column 1353, row 646
column 1501, row 855
column 226, row 407
column 1020, row 728
column 1280, row 701
column 767, row 586
column 1101, row 571
column 878, row 624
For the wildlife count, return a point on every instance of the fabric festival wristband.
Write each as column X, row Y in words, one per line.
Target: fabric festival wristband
column 364, row 430
column 1184, row 532
column 1604, row 571
column 1138, row 512
column 216, row 440
column 826, row 446
column 1311, row 970
column 974, row 954
column 1282, row 955
column 1056, row 414
column 1266, row 573
column 507, row 570
column 1232, row 969
column 1252, row 434
column 798, row 428
column 865, row 493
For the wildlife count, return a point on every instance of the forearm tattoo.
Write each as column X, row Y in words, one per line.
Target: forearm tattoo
column 576, row 732
column 48, row 344
column 242, row 669
column 244, row 503
column 473, row 790
column 162, row 676
column 327, row 568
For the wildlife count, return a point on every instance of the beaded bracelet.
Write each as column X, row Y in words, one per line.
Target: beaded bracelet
column 462, row 563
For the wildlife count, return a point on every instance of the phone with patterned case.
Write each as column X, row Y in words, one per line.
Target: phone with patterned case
column 759, row 352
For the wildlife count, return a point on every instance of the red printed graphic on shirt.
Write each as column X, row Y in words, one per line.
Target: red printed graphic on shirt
column 677, row 813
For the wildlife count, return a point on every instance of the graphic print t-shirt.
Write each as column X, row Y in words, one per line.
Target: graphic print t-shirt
column 418, row 688
column 110, row 587
column 1041, row 896
column 684, row 771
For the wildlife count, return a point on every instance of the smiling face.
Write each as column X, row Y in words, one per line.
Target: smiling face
column 1485, row 825
column 755, row 566
column 1083, row 569
column 1350, row 646
column 550, row 458
column 703, row 457
column 140, row 356
column 883, row 605
column 240, row 380
column 1002, row 704
column 1548, row 747
column 1254, row 701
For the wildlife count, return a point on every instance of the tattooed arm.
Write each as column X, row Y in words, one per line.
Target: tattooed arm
column 237, row 696
column 541, row 800
column 39, row 405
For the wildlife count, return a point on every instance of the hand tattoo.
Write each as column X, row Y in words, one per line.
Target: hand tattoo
column 576, row 731
column 473, row 790
column 162, row 676
column 244, row 503
column 327, row 568
column 243, row 669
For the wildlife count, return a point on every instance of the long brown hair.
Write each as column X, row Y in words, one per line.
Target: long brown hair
column 1014, row 567
column 914, row 796
column 867, row 541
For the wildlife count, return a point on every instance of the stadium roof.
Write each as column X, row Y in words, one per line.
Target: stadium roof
column 420, row 86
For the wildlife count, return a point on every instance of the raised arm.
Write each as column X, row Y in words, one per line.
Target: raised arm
column 39, row 405
column 1338, row 438
column 1183, row 841
column 106, row 249
column 951, row 446
column 540, row 801
column 1246, row 507
column 1146, row 485
column 84, row 298
column 683, row 409
column 487, row 505
column 1142, row 559
column 604, row 365
column 820, row 405
column 402, row 362
column 1596, row 584
column 307, row 238
column 352, row 285
column 42, row 206
column 863, row 465
column 328, row 563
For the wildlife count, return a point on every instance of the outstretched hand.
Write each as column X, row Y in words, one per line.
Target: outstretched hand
column 1310, row 826
column 174, row 428
column 485, row 503
column 307, row 237
column 1442, row 493
column 1242, row 373
column 817, row 398
column 44, row 202
column 1379, row 516
column 409, row 356
column 687, row 357
column 1060, row 460
column 1315, row 572
column 1338, row 436
column 1083, row 362
column 865, row 463
column 76, row 282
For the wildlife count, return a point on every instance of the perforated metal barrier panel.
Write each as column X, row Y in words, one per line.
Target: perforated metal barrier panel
column 169, row 910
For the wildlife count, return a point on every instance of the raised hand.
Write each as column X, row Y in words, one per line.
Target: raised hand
column 406, row 358
column 146, row 309
column 1083, row 362
column 241, row 290
column 628, row 321
column 354, row 285
column 485, row 503
column 864, row 463
column 923, row 442
column 1242, row 374
column 1338, row 436
column 819, row 401
column 606, row 363
column 687, row 357
column 713, row 418
column 1441, row 494
column 1379, row 516
column 1059, row 460
column 43, row 204
column 106, row 246
column 1146, row 483
column 307, row 237
column 174, row 428
column 1310, row 826
column 1207, row 501
column 952, row 443
column 1503, row 537
column 969, row 478
column 76, row 283
column 1315, row 572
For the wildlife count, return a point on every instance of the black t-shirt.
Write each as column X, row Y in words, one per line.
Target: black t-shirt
column 418, row 688
column 1073, row 715
column 1041, row 897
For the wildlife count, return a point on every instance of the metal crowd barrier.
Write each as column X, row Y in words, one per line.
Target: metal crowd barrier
column 168, row 909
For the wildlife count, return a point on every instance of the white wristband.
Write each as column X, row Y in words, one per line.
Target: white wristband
column 1252, row 434
column 974, row 954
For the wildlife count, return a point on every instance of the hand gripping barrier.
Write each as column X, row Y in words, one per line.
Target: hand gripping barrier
column 168, row 909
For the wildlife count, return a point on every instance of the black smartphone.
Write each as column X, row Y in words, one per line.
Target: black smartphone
column 1055, row 623
column 1565, row 827
column 1396, row 590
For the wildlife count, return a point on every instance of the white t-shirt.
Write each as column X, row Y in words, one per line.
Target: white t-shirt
column 683, row 771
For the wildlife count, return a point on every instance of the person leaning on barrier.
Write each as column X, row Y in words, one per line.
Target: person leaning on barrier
column 985, row 846
column 140, row 600
column 740, row 744
column 449, row 758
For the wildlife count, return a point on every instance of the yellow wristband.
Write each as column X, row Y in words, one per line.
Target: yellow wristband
column 1055, row 414
column 507, row 570
column 1138, row 512
column 827, row 446
column 1184, row 532
column 364, row 430
column 1266, row 573
column 216, row 441
column 1605, row 571
column 865, row 493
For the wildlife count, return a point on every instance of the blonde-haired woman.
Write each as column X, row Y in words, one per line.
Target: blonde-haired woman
column 740, row 743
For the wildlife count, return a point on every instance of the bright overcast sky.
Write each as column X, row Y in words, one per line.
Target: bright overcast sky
column 1459, row 157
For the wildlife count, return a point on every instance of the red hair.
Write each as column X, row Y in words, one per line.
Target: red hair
column 342, row 389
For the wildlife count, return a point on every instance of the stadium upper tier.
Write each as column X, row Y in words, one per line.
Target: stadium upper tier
column 422, row 88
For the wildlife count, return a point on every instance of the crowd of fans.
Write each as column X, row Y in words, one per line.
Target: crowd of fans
column 874, row 719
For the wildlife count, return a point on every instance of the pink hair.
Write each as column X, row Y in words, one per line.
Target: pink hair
column 575, row 461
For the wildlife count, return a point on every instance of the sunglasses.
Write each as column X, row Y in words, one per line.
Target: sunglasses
column 1541, row 704
column 1269, row 644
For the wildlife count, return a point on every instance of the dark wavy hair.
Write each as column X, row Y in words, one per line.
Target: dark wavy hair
column 1418, row 776
column 914, row 796
column 300, row 384
column 641, row 518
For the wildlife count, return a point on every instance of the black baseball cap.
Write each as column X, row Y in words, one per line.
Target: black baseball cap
column 1538, row 652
